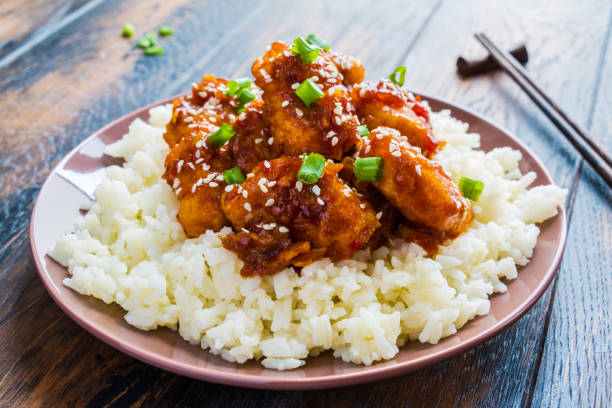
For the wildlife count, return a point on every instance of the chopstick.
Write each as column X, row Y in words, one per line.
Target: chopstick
column 592, row 152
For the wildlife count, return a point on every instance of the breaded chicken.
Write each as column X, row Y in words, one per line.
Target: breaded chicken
column 194, row 169
column 351, row 68
column 328, row 127
column 385, row 104
column 322, row 219
column 415, row 185
column 206, row 108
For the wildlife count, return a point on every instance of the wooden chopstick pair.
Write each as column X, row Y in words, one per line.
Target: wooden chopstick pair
column 589, row 149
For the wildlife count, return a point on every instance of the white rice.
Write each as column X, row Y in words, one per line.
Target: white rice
column 130, row 249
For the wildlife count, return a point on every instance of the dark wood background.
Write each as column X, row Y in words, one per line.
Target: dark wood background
column 65, row 72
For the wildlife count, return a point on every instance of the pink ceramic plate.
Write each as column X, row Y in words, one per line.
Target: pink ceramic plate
column 58, row 204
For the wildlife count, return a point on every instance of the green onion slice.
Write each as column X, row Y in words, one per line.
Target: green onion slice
column 306, row 52
column 401, row 72
column 363, row 130
column 312, row 168
column 368, row 168
column 245, row 96
column 236, row 85
column 147, row 40
column 471, row 188
column 233, row 176
column 318, row 42
column 309, row 92
column 165, row 30
column 222, row 135
column 128, row 30
column 154, row 50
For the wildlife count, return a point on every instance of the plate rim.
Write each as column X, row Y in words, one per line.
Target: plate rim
column 369, row 373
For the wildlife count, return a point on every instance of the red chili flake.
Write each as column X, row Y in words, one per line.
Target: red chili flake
column 356, row 245
column 420, row 110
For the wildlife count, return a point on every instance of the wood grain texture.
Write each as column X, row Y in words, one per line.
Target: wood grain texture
column 83, row 76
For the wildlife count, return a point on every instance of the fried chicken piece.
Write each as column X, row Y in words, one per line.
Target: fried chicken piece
column 194, row 169
column 322, row 219
column 328, row 127
column 251, row 144
column 205, row 109
column 350, row 67
column 385, row 104
column 415, row 185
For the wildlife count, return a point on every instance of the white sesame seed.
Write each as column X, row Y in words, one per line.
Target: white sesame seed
column 396, row 153
column 199, row 182
column 316, row 190
column 338, row 120
column 246, row 230
column 362, row 206
column 298, row 185
column 247, row 207
column 295, row 85
column 193, row 188
column 179, row 166
column 220, row 177
column 334, row 141
column 263, row 188
column 178, row 190
column 418, row 169
column 176, row 183
column 200, row 160
column 269, row 226
column 299, row 112
column 213, row 119
column 285, row 103
column 330, row 134
column 229, row 188
column 270, row 202
column 283, row 229
column 270, row 141
column 190, row 164
column 367, row 149
column 258, row 141
column 250, row 175
column 378, row 215
column 245, row 193
column 272, row 183
column 205, row 166
column 213, row 184
column 320, row 202
column 267, row 164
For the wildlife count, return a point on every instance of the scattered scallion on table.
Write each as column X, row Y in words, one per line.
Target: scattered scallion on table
column 399, row 75
column 147, row 40
column 222, row 135
column 312, row 168
column 233, row 176
column 306, row 51
column 309, row 92
column 128, row 30
column 165, row 30
column 154, row 50
column 368, row 168
column 471, row 188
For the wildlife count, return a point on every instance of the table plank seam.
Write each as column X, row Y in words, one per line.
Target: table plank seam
column 420, row 31
column 598, row 75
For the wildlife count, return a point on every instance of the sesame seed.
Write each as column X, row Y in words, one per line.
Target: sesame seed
column 267, row 164
column 229, row 188
column 203, row 94
column 367, row 149
column 247, row 207
column 316, row 190
column 283, row 229
column 246, row 230
column 418, row 169
column 299, row 112
column 458, row 204
column 193, row 188
column 205, row 166
column 250, row 175
column 220, row 177
column 270, row 141
column 270, row 202
column 179, row 166
column 285, row 103
column 298, row 185
column 269, row 226
column 396, row 153
column 272, row 183
column 176, row 183
column 378, row 215
column 334, row 141
column 213, row 119
column 213, row 184
column 200, row 160
column 263, row 188
column 245, row 193
column 242, row 116
column 295, row 85
column 258, row 141
column 362, row 206
column 190, row 164
column 338, row 120
column 320, row 202
column 178, row 190
column 330, row 134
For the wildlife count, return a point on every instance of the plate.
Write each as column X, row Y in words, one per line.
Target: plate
column 58, row 204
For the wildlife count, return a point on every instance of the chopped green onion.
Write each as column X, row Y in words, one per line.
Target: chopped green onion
column 312, row 168
column 471, row 188
column 245, row 96
column 236, row 85
column 154, row 50
column 363, row 130
column 309, row 92
column 233, row 176
column 368, row 168
column 147, row 40
column 128, row 30
column 222, row 135
column 306, row 52
column 318, row 41
column 165, row 30
column 401, row 71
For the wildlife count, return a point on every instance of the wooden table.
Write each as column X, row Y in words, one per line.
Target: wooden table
column 65, row 72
